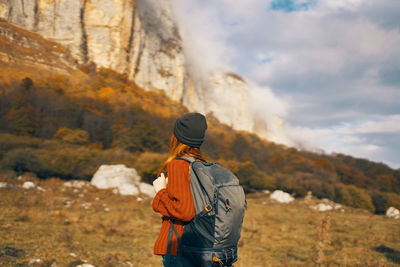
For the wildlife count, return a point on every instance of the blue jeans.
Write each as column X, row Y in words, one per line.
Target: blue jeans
column 177, row 261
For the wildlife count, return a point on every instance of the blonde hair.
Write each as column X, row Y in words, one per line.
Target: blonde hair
column 178, row 149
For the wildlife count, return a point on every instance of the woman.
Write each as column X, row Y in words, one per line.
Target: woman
column 173, row 196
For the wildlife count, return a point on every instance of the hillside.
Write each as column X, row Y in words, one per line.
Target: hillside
column 76, row 94
column 59, row 225
column 55, row 125
column 62, row 119
column 140, row 39
column 23, row 49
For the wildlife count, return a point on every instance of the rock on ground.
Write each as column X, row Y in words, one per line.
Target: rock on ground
column 125, row 181
column 147, row 189
column 281, row 196
column 322, row 207
column 393, row 213
column 76, row 184
column 28, row 185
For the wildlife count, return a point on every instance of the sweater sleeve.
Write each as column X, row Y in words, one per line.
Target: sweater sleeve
column 176, row 200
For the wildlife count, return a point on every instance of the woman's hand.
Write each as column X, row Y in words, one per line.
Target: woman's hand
column 160, row 183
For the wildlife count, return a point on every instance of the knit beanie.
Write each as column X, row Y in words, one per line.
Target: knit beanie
column 190, row 129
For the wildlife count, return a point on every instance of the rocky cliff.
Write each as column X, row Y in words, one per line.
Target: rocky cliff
column 21, row 48
column 139, row 38
column 128, row 36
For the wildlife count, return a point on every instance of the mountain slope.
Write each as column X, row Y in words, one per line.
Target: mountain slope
column 140, row 39
column 67, row 126
column 19, row 47
column 62, row 121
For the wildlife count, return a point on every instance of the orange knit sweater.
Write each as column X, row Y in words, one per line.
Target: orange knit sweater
column 174, row 202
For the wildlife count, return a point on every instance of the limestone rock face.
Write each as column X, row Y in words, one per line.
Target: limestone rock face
column 226, row 95
column 141, row 39
column 59, row 21
column 20, row 47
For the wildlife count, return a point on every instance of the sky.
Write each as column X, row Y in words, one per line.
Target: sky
column 331, row 68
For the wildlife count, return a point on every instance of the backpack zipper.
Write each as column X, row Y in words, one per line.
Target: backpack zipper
column 216, row 196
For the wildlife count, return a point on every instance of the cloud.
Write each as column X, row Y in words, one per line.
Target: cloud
column 331, row 67
column 375, row 138
column 203, row 37
column 383, row 124
column 339, row 5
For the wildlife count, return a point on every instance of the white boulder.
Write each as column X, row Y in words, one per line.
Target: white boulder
column 322, row 207
column 124, row 180
column 393, row 213
column 28, row 185
column 337, row 206
column 75, row 184
column 281, row 196
column 128, row 189
column 35, row 261
column 147, row 189
column 3, row 185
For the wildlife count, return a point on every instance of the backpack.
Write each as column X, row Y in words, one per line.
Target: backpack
column 211, row 237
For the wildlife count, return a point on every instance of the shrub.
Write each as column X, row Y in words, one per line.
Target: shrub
column 269, row 182
column 9, row 141
column 25, row 160
column 353, row 196
column 55, row 159
column 21, row 121
column 72, row 162
column 393, row 200
column 380, row 202
column 320, row 188
column 77, row 136
column 250, row 177
column 148, row 165
column 138, row 139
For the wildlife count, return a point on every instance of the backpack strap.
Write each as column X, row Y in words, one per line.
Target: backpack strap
column 191, row 160
column 188, row 159
column 172, row 228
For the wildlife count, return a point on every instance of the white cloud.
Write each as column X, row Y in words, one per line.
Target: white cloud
column 361, row 139
column 331, row 71
column 265, row 102
column 336, row 5
column 382, row 124
column 203, row 36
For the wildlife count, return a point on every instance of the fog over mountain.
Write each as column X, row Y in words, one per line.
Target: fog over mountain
column 143, row 40
column 310, row 74
column 332, row 66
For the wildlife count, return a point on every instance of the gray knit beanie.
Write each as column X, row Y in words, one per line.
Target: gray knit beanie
column 190, row 129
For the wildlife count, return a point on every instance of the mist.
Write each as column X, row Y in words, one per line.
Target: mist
column 316, row 70
column 206, row 52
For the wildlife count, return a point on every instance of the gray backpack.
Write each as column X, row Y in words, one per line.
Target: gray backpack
column 211, row 237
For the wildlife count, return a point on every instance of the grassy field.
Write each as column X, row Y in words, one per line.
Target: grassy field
column 66, row 226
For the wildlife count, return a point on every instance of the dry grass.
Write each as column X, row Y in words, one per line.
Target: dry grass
column 105, row 229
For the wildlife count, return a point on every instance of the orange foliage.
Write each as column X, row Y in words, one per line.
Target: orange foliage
column 107, row 93
column 323, row 164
